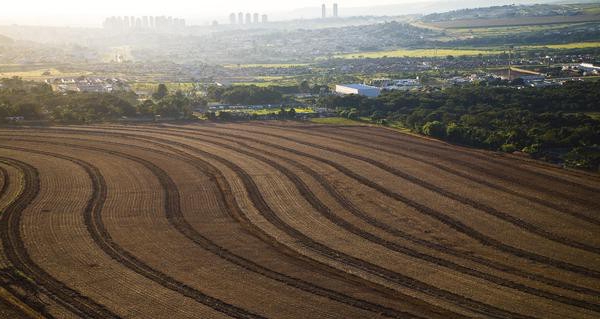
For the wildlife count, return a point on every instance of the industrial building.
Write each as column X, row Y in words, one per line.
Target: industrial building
column 144, row 23
column 397, row 84
column 358, row 89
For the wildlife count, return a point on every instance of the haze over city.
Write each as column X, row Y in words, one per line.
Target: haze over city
column 91, row 13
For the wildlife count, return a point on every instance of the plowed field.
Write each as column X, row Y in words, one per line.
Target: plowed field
column 288, row 220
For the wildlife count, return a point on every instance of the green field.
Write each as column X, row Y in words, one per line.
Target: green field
column 271, row 110
column 264, row 81
column 38, row 75
column 461, row 52
column 594, row 115
column 507, row 30
column 575, row 45
column 336, row 121
column 417, row 53
column 266, row 65
column 517, row 21
column 171, row 86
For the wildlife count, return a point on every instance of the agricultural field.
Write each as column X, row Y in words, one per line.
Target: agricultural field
column 511, row 30
column 266, row 65
column 443, row 52
column 266, row 111
column 266, row 81
column 289, row 220
column 519, row 21
column 171, row 86
column 418, row 53
column 42, row 74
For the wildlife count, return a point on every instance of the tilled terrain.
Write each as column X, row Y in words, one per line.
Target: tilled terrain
column 288, row 220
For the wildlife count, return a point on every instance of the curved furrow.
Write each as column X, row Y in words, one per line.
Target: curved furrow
column 480, row 237
column 447, row 220
column 5, row 181
column 175, row 217
column 348, row 205
column 481, row 181
column 17, row 254
column 421, row 140
column 457, row 225
column 395, row 277
column 271, row 216
column 504, row 175
column 394, row 134
column 503, row 162
column 100, row 235
column 451, row 195
column 331, row 216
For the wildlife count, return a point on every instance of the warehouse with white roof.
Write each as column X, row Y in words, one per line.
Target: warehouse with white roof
column 359, row 89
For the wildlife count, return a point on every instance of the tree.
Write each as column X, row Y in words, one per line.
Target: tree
column 146, row 108
column 161, row 92
column 29, row 110
column 215, row 93
column 304, row 87
column 434, row 129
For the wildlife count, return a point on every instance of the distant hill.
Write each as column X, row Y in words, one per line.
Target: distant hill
column 5, row 39
column 403, row 7
column 511, row 11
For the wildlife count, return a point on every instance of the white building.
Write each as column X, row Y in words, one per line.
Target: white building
column 359, row 89
column 588, row 67
column 396, row 84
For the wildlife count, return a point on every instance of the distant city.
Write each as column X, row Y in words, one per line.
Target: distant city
column 248, row 18
column 165, row 23
column 145, row 22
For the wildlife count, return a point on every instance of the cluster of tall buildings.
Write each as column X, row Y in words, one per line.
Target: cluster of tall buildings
column 146, row 22
column 247, row 18
column 324, row 10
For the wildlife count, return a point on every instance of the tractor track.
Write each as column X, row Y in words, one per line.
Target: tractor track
column 478, row 180
column 18, row 256
column 177, row 220
column 260, row 203
column 271, row 216
column 457, row 225
column 100, row 235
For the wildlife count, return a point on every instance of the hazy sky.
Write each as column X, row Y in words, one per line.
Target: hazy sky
column 92, row 12
column 168, row 7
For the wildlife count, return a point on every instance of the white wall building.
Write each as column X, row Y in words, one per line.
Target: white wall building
column 589, row 67
column 359, row 89
column 397, row 84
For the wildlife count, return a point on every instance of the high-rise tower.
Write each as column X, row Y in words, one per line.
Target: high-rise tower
column 255, row 18
column 241, row 18
column 335, row 10
column 248, row 18
column 232, row 18
column 265, row 18
column 323, row 11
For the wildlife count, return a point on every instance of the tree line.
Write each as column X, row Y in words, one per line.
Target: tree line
column 35, row 101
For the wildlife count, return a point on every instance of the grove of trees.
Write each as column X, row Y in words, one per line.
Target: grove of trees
column 37, row 102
